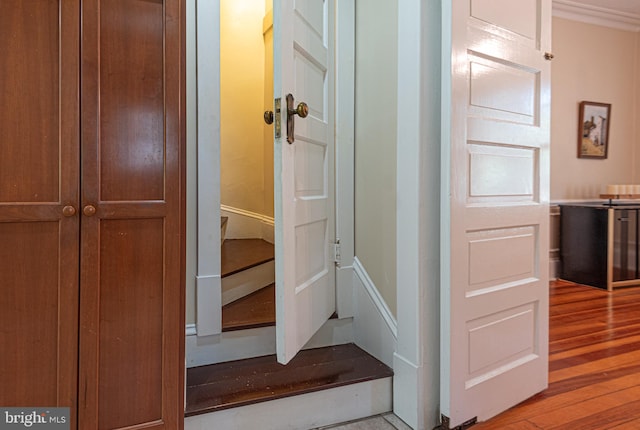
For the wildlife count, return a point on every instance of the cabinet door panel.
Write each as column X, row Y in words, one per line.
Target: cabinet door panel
column 132, row 300
column 131, row 128
column 29, row 313
column 39, row 176
column 131, row 267
column 30, row 82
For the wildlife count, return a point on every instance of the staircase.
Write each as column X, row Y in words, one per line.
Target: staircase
column 319, row 387
column 247, row 266
column 253, row 311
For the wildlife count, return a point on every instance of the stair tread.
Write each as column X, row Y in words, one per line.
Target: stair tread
column 243, row 382
column 255, row 310
column 242, row 254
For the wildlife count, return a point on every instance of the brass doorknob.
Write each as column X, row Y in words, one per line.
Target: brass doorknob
column 302, row 110
column 268, row 116
column 68, row 211
column 548, row 56
column 89, row 210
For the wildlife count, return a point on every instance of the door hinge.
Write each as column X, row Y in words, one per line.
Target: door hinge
column 336, row 253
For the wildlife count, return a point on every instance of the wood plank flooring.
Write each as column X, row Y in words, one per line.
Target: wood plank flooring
column 237, row 383
column 594, row 364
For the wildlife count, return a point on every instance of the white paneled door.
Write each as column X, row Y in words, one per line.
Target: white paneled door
column 495, row 207
column 304, row 157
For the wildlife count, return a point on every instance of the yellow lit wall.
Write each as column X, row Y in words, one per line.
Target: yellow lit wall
column 268, row 105
column 242, row 65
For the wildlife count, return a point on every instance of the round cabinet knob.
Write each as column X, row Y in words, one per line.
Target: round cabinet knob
column 89, row 210
column 68, row 211
column 268, row 116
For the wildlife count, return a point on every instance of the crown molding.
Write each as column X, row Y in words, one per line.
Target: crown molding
column 596, row 15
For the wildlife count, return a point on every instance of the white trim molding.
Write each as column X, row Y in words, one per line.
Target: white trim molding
column 256, row 342
column 208, row 305
column 374, row 294
column 208, row 283
column 190, row 330
column 408, row 398
column 344, row 165
column 244, row 224
column 418, row 255
column 374, row 326
column 304, row 411
column 577, row 11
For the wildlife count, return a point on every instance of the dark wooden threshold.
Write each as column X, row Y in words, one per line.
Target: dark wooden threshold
column 243, row 382
column 258, row 309
column 242, row 254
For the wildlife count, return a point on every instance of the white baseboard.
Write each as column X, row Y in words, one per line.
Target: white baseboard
column 191, row 330
column 208, row 305
column 305, row 411
column 243, row 283
column 375, row 327
column 407, row 392
column 240, row 344
column 245, row 224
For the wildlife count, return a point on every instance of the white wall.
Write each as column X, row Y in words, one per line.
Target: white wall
column 375, row 142
column 599, row 64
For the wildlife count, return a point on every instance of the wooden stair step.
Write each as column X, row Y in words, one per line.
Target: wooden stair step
column 255, row 310
column 258, row 309
column 242, row 254
column 238, row 383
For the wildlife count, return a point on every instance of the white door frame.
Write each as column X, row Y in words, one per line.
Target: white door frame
column 208, row 278
column 416, row 361
column 416, row 364
column 208, row 283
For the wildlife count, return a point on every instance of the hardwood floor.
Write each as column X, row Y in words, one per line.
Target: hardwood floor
column 594, row 364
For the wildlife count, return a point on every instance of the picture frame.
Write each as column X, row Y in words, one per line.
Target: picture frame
column 594, row 120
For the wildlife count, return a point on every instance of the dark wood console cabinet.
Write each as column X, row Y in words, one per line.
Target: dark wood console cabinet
column 599, row 244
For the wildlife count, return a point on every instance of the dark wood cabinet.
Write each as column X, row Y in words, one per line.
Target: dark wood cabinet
column 599, row 244
column 92, row 210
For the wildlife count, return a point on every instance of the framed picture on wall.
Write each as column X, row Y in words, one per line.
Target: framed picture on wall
column 593, row 130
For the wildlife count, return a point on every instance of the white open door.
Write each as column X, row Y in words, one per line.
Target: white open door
column 495, row 206
column 304, row 194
